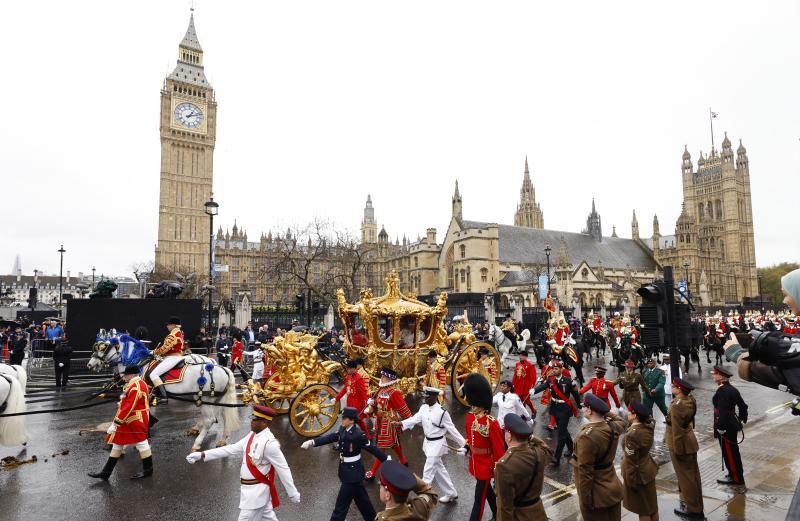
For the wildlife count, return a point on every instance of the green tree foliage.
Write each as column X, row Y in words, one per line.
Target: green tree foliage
column 771, row 281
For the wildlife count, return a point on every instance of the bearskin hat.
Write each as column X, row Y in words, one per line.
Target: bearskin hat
column 478, row 391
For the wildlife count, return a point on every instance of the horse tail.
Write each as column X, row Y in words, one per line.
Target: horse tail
column 526, row 335
column 230, row 415
column 12, row 429
column 22, row 376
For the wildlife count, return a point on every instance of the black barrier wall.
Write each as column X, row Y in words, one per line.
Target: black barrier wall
column 85, row 317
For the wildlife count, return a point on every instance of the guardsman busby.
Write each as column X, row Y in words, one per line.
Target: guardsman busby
column 484, row 443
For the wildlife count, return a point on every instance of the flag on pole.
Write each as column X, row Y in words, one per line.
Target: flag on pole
column 714, row 114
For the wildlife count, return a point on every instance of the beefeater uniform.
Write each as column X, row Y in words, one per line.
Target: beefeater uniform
column 486, row 447
column 436, row 423
column 599, row 489
column 171, row 350
column 601, row 388
column 727, row 426
column 524, row 378
column 390, row 408
column 262, row 459
column 357, row 395
column 683, row 448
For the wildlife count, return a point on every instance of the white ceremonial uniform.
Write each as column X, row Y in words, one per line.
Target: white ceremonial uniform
column 265, row 452
column 508, row 403
column 258, row 362
column 436, row 423
column 667, row 368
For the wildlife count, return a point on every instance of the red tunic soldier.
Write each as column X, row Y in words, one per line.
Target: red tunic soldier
column 524, row 378
column 171, row 352
column 485, row 443
column 390, row 408
column 357, row 395
column 130, row 425
column 601, row 387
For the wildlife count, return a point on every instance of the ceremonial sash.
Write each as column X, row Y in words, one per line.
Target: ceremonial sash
column 268, row 480
column 556, row 389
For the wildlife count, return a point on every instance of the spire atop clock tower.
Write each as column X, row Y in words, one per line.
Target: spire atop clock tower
column 188, row 129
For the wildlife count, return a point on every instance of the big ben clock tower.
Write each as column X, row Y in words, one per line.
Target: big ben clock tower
column 188, row 132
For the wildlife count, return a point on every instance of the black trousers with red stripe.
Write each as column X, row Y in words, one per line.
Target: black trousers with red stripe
column 483, row 493
column 731, row 456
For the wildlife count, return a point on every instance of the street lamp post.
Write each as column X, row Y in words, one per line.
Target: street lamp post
column 547, row 250
column 92, row 278
column 61, row 250
column 686, row 278
column 760, row 295
column 212, row 209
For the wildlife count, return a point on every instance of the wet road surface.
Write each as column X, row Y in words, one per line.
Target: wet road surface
column 56, row 487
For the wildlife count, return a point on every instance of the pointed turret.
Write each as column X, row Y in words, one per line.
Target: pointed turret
column 528, row 213
column 369, row 227
column 614, row 230
column 634, row 226
column 563, row 255
column 593, row 224
column 457, row 210
column 656, row 236
column 741, row 157
column 190, row 40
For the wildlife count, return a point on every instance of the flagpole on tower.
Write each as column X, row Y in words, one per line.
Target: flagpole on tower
column 711, row 116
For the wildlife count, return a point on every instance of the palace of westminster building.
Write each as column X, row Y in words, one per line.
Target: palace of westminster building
column 713, row 235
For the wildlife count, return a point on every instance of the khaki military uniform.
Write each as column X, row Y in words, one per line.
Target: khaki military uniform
column 683, row 448
column 630, row 384
column 518, row 479
column 599, row 488
column 417, row 508
column 639, row 470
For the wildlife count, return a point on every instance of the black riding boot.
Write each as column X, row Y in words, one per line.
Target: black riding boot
column 107, row 469
column 147, row 469
column 160, row 395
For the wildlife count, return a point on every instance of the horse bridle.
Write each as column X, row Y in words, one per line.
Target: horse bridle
column 102, row 353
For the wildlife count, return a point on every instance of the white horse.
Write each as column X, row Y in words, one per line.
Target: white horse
column 503, row 344
column 201, row 373
column 13, row 381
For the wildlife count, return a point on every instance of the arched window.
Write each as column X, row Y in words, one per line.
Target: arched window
column 710, row 210
column 463, row 250
column 463, row 276
column 711, row 242
column 722, row 249
column 718, row 206
column 469, row 279
column 416, row 262
column 484, row 274
column 585, row 275
column 701, row 212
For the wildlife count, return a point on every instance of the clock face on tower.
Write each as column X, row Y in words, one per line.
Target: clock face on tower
column 189, row 115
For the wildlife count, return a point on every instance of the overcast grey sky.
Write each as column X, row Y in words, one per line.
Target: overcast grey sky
column 323, row 102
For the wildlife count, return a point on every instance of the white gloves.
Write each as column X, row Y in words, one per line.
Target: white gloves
column 305, row 446
column 388, row 458
column 194, row 457
column 621, row 411
column 371, row 401
column 462, row 451
column 112, row 428
column 295, row 499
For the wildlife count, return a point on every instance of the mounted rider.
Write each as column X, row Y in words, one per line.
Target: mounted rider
column 509, row 329
column 170, row 352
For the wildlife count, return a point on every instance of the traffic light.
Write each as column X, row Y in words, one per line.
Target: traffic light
column 654, row 317
column 315, row 307
column 299, row 301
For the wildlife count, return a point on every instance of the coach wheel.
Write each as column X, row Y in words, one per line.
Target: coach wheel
column 280, row 404
column 314, row 410
column 465, row 363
